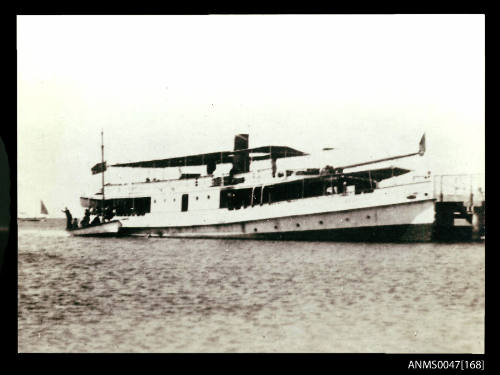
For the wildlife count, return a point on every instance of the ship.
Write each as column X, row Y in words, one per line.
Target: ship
column 249, row 193
column 23, row 216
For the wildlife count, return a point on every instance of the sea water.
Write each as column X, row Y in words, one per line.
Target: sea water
column 177, row 295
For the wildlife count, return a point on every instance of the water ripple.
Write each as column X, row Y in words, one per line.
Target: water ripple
column 169, row 295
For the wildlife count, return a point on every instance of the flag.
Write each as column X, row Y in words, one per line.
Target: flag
column 99, row 168
column 421, row 149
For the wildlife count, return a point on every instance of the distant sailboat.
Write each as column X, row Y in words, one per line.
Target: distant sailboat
column 43, row 214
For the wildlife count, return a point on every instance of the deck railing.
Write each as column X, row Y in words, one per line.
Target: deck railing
column 467, row 188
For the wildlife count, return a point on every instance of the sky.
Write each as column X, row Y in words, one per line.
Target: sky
column 160, row 86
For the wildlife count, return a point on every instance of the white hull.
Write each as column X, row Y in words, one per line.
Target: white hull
column 394, row 195
column 325, row 217
column 401, row 222
column 106, row 229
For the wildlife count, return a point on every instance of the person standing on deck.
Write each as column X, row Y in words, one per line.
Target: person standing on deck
column 69, row 218
column 108, row 214
column 86, row 219
column 96, row 221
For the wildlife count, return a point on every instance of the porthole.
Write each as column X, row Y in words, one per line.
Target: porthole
column 196, row 198
column 298, row 225
column 255, row 229
column 321, row 221
column 208, row 196
column 174, row 199
column 368, row 216
column 426, row 194
column 275, row 227
column 154, row 201
column 346, row 219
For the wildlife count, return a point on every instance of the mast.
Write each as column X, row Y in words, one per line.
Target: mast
column 102, row 177
column 421, row 152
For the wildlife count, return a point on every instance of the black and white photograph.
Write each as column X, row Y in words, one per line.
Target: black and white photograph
column 266, row 183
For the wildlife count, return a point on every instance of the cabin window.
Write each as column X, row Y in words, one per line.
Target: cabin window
column 126, row 206
column 225, row 199
column 242, row 198
column 235, row 199
column 266, row 194
column 313, row 188
column 185, row 202
column 287, row 191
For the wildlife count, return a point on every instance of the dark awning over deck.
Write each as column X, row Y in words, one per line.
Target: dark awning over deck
column 378, row 174
column 216, row 157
